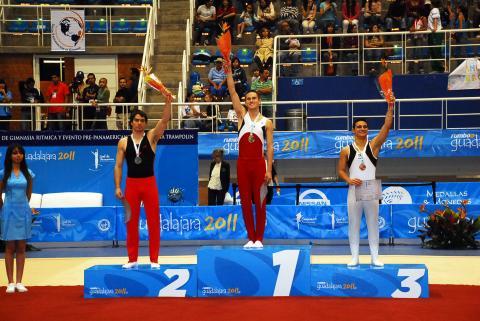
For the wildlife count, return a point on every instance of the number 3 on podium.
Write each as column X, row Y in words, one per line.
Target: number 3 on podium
column 414, row 288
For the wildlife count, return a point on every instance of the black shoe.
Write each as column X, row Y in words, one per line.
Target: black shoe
column 31, row 248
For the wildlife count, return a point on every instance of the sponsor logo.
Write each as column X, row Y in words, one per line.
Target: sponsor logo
column 449, row 197
column 68, row 31
column 321, row 198
column 464, row 141
column 175, row 194
column 103, row 225
column 302, row 220
column 41, row 156
column 209, row 290
column 335, row 220
column 396, row 195
column 381, row 222
column 100, row 291
column 415, row 223
column 336, row 286
column 99, row 159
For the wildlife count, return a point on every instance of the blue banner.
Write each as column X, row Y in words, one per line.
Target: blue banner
column 85, row 161
column 402, row 144
column 407, row 220
column 74, row 224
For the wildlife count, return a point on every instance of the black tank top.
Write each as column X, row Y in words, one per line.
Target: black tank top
column 145, row 168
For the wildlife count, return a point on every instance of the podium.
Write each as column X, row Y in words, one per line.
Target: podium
column 111, row 281
column 270, row 271
column 232, row 271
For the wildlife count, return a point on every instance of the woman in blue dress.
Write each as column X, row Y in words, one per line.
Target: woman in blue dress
column 15, row 213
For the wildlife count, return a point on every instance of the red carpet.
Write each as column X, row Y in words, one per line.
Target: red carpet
column 446, row 303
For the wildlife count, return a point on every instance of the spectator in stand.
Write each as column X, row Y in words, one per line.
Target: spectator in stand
column 372, row 54
column 328, row 13
column 246, row 20
column 351, row 42
column 30, row 95
column 264, row 54
column 372, row 13
column 89, row 96
column 396, row 15
column 211, row 122
column 218, row 178
column 101, row 112
column 76, row 89
column 476, row 17
column 350, row 13
column 232, row 119
column 265, row 15
column 133, row 89
column 435, row 38
column 289, row 52
column 415, row 9
column 263, row 86
column 417, row 42
column 226, row 13
column 239, row 77
column 206, row 19
column 255, row 75
column 57, row 92
column 191, row 114
column 5, row 112
column 122, row 111
column 289, row 13
column 217, row 79
column 309, row 12
column 329, row 54
column 460, row 37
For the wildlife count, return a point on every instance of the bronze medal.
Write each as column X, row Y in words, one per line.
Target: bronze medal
column 251, row 138
column 362, row 166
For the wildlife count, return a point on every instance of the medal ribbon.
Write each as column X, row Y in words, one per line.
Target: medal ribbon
column 252, row 126
column 137, row 148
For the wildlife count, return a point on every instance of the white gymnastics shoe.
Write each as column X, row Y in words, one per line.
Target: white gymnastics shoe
column 258, row 244
column 10, row 288
column 130, row 265
column 377, row 263
column 248, row 245
column 354, row 262
column 154, row 266
column 21, row 288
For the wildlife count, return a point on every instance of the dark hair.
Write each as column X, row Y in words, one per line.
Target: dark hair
column 251, row 91
column 7, row 165
column 138, row 112
column 91, row 74
column 135, row 71
column 356, row 120
column 30, row 80
column 235, row 59
column 2, row 81
column 218, row 151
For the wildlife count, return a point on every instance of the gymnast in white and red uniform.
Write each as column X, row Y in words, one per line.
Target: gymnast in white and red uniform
column 139, row 151
column 254, row 133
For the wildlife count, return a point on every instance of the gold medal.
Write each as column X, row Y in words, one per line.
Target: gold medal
column 251, row 138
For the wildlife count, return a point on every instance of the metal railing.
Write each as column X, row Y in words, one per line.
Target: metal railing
column 399, row 48
column 219, row 122
column 148, row 51
column 35, row 21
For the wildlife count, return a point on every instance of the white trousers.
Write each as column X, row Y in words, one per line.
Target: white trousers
column 355, row 211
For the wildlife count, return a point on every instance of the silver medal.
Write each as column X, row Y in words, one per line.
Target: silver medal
column 138, row 160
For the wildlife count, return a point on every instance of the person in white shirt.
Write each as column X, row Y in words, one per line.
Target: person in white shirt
column 218, row 178
column 357, row 164
column 435, row 38
column 206, row 20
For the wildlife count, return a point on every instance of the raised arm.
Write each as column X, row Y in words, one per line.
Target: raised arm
column 117, row 172
column 378, row 141
column 237, row 104
column 157, row 132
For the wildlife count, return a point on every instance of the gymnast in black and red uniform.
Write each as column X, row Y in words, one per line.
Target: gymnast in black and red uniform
column 255, row 132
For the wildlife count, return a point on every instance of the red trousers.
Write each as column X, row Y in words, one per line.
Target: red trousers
column 136, row 191
column 251, row 177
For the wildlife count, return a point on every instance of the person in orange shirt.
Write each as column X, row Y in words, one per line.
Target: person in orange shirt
column 57, row 92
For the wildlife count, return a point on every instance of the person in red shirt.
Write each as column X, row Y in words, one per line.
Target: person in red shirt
column 57, row 92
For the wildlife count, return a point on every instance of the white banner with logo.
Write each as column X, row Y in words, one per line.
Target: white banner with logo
column 465, row 76
column 68, row 30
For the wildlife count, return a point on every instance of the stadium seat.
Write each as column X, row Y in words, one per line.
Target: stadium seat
column 218, row 54
column 40, row 25
column 245, row 55
column 99, row 26
column 140, row 26
column 147, row 2
column 309, row 55
column 121, row 26
column 72, row 199
column 201, row 57
column 18, row 25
